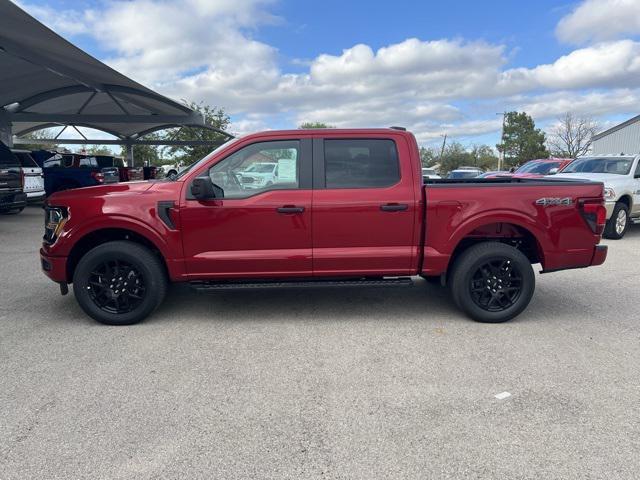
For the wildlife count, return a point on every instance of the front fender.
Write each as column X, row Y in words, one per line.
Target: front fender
column 70, row 237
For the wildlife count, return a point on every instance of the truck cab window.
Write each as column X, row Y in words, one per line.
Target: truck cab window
column 257, row 168
column 361, row 163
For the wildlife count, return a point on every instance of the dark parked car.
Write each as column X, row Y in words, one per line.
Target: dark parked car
column 12, row 196
column 66, row 171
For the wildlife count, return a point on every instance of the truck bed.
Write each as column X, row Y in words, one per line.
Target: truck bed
column 546, row 212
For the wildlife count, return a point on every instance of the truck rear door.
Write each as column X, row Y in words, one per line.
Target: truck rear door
column 364, row 206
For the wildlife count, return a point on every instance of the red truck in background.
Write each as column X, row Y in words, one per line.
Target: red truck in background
column 348, row 207
column 538, row 168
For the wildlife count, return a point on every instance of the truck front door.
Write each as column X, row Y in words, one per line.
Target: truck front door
column 364, row 207
column 260, row 228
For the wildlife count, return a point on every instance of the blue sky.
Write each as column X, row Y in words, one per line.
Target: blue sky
column 435, row 67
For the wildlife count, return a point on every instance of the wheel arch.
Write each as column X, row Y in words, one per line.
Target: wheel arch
column 92, row 238
column 519, row 233
column 627, row 200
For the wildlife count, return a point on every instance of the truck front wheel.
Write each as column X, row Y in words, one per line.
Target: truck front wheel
column 119, row 283
column 492, row 282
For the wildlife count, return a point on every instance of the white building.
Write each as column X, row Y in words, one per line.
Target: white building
column 623, row 138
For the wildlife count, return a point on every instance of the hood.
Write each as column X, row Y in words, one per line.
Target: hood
column 102, row 191
column 595, row 177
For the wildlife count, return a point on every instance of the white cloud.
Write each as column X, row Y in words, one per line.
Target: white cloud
column 598, row 20
column 205, row 51
column 615, row 64
column 65, row 22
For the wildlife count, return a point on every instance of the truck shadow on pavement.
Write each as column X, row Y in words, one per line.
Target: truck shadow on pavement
column 301, row 304
column 418, row 303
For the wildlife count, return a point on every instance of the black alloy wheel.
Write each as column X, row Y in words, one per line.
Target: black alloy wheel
column 116, row 287
column 496, row 285
column 492, row 282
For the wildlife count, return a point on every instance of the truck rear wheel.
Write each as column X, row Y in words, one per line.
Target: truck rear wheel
column 492, row 282
column 119, row 283
column 617, row 225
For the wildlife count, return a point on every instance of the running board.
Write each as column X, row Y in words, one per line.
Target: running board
column 211, row 286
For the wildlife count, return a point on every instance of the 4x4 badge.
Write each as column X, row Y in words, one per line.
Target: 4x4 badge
column 547, row 202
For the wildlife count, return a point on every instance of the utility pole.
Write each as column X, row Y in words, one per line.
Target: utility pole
column 444, row 143
column 501, row 152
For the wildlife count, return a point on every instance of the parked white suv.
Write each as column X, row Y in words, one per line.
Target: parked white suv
column 430, row 173
column 621, row 177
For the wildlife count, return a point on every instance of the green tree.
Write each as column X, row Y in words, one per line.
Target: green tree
column 484, row 157
column 145, row 154
column 46, row 133
column 214, row 117
column 96, row 150
column 455, row 155
column 429, row 156
column 521, row 140
column 307, row 125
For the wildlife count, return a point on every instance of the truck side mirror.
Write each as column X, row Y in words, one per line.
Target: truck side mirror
column 553, row 171
column 202, row 188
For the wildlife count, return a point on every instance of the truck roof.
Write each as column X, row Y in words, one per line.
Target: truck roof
column 332, row 131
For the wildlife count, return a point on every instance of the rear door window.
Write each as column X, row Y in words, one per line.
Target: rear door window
column 361, row 163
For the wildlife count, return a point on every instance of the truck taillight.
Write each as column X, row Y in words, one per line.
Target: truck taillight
column 22, row 178
column 98, row 176
column 595, row 214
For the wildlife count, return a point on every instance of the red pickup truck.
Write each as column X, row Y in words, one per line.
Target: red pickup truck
column 347, row 207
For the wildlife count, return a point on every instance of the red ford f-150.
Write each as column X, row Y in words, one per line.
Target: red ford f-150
column 347, row 207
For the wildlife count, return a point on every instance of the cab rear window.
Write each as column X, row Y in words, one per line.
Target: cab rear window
column 358, row 163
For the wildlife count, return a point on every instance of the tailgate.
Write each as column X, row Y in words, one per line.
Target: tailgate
column 10, row 178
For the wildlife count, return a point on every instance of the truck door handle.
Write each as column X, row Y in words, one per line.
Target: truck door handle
column 394, row 207
column 290, row 209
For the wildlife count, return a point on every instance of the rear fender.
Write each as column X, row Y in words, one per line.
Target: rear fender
column 438, row 251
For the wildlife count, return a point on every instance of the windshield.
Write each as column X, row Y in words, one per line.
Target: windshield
column 261, row 168
column 464, row 174
column 428, row 171
column 538, row 167
column 618, row 166
column 190, row 167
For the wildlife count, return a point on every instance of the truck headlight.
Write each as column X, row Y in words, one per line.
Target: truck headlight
column 54, row 220
column 609, row 194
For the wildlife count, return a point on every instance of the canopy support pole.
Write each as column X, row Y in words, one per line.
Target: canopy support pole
column 129, row 148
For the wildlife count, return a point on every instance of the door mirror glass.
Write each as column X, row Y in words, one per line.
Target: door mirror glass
column 203, row 188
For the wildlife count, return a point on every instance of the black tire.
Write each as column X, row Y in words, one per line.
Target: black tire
column 613, row 230
column 508, row 276
column 172, row 173
column 117, row 263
